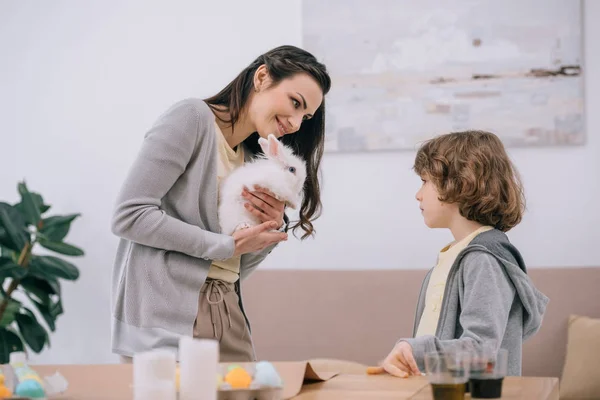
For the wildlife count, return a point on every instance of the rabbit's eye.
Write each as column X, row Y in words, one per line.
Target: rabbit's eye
column 292, row 170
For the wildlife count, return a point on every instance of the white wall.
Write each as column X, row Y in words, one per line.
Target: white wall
column 80, row 84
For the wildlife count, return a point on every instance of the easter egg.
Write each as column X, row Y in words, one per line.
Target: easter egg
column 264, row 364
column 30, row 388
column 33, row 377
column 5, row 393
column 233, row 366
column 238, row 378
column 266, row 375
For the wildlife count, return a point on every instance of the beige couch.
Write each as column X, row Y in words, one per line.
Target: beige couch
column 358, row 315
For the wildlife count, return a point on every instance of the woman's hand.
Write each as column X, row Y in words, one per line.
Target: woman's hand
column 263, row 204
column 256, row 238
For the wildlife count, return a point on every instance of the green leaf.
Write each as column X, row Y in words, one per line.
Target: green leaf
column 34, row 334
column 54, row 284
column 61, row 247
column 57, row 227
column 9, row 269
column 56, row 309
column 6, row 252
column 45, row 313
column 35, row 285
column 35, row 292
column 39, row 292
column 11, row 310
column 12, row 228
column 37, row 271
column 30, row 209
column 5, row 241
column 9, row 343
column 39, row 202
column 45, row 266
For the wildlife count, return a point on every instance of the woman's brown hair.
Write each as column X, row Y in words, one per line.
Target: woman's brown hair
column 284, row 62
column 472, row 169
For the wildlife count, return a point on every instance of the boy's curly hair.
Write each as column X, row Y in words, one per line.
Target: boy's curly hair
column 472, row 169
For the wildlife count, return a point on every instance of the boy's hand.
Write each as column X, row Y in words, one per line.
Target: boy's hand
column 400, row 362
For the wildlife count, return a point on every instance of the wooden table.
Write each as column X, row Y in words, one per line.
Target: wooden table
column 513, row 388
column 113, row 382
column 365, row 387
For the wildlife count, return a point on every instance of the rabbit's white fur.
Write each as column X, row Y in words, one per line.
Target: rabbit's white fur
column 273, row 171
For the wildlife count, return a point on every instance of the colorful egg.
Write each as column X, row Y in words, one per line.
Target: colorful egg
column 33, row 377
column 5, row 393
column 232, row 366
column 30, row 388
column 238, row 378
column 266, row 375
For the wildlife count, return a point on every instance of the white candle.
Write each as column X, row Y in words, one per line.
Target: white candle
column 198, row 363
column 154, row 371
column 157, row 390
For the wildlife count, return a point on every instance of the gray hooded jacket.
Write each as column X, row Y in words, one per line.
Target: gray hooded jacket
column 489, row 298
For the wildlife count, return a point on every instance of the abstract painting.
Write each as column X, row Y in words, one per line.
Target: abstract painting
column 405, row 71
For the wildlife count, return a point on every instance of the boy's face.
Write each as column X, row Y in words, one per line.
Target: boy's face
column 436, row 214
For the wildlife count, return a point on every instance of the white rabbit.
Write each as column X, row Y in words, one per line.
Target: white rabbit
column 279, row 170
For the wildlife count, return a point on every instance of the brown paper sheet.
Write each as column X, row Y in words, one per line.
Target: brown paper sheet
column 297, row 374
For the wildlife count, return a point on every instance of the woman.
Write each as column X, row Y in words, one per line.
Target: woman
column 175, row 274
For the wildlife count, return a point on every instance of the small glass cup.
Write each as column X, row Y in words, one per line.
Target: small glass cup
column 448, row 374
column 479, row 357
column 488, row 370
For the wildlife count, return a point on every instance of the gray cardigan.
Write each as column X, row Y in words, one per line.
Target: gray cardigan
column 166, row 217
column 488, row 298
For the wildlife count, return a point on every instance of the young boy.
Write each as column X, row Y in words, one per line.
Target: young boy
column 479, row 292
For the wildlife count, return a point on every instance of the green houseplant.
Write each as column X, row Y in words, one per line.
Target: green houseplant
column 31, row 281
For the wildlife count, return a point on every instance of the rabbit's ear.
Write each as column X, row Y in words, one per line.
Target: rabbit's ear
column 264, row 145
column 273, row 146
column 270, row 147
